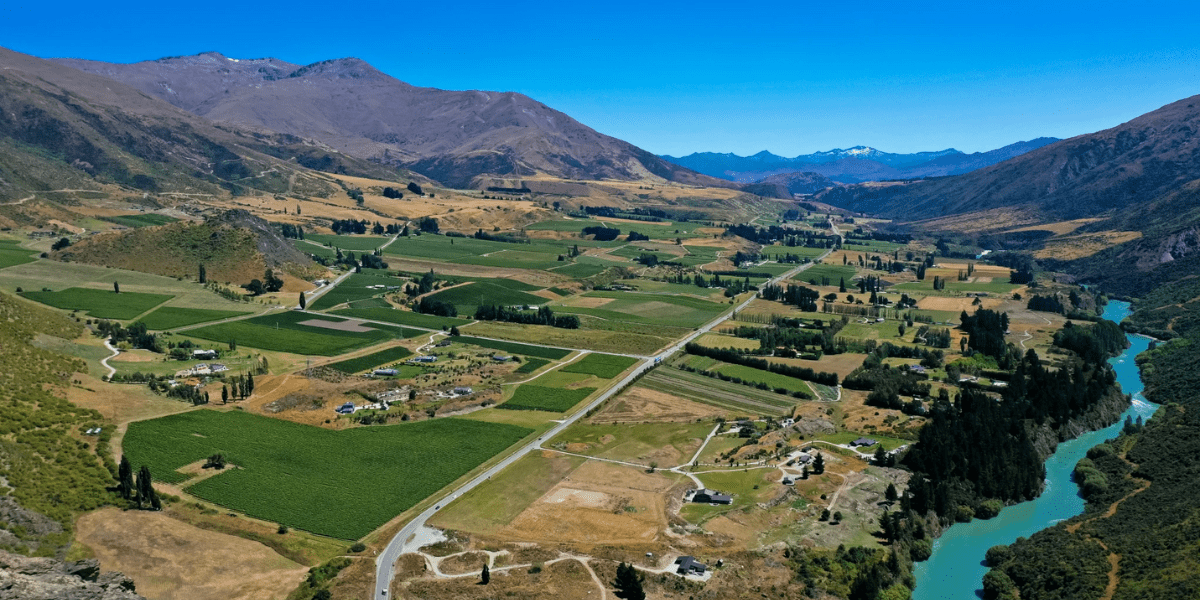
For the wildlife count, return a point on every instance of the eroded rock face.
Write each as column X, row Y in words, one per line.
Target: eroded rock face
column 24, row 578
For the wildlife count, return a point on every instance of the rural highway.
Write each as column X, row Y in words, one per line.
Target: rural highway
column 386, row 561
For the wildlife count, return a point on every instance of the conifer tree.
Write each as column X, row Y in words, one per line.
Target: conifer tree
column 125, row 478
column 628, row 584
column 485, row 576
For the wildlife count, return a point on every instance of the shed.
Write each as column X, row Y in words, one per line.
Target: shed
column 386, row 372
column 204, row 354
column 501, row 358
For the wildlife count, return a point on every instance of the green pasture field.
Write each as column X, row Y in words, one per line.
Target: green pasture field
column 683, row 289
column 561, row 291
column 355, row 287
column 372, row 360
column 604, row 366
column 580, row 270
column 777, row 251
column 845, row 437
column 170, row 317
column 104, row 304
column 357, row 243
column 634, row 251
column 327, row 482
column 470, row 296
column 835, row 273
column 402, row 317
column 536, row 397
column 660, row 231
column 513, row 347
column 370, row 303
column 11, row 253
column 651, row 309
column 457, row 249
column 739, row 400
column 531, row 364
column 775, row 380
column 633, row 442
column 141, row 220
column 62, row 275
column 872, row 246
column 308, row 248
column 504, row 282
column 514, row 259
column 281, row 331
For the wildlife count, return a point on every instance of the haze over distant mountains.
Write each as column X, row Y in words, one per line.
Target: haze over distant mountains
column 852, row 165
column 450, row 136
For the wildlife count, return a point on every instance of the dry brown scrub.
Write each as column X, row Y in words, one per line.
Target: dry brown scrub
column 172, row 560
column 639, row 405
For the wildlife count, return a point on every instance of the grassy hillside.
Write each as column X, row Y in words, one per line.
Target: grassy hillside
column 47, row 468
column 177, row 250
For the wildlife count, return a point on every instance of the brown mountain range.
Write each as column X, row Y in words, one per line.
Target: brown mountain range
column 451, row 136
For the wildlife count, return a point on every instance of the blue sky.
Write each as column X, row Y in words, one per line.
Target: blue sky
column 680, row 77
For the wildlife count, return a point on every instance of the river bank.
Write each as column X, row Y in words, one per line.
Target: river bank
column 955, row 570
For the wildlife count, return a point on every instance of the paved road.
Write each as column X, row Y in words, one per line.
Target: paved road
column 386, row 561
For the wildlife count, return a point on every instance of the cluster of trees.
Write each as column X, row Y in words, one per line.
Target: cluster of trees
column 507, row 239
column 637, row 237
column 985, row 330
column 295, row 232
column 439, row 308
column 785, row 236
column 542, row 316
column 737, row 358
column 136, row 335
column 138, row 490
column 796, row 295
column 349, row 226
column 602, row 233
column 393, row 193
column 796, row 335
column 1094, row 343
column 239, row 387
column 934, row 338
column 427, row 224
column 269, row 283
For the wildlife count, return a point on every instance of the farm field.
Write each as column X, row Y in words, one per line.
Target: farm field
column 774, row 380
column 104, row 304
column 550, row 399
column 605, row 366
column 652, row 309
column 321, row 481
column 11, row 253
column 825, row 274
column 401, row 317
column 372, row 360
column 61, row 275
column 601, row 336
column 513, row 348
column 531, row 364
column 736, row 398
column 283, row 331
column 170, row 317
column 467, row 297
column 495, row 503
column 667, row 444
column 659, row 230
column 141, row 220
column 356, row 287
column 716, row 340
column 314, row 249
column 579, row 270
column 1001, row 288
column 516, row 259
column 356, row 243
column 778, row 251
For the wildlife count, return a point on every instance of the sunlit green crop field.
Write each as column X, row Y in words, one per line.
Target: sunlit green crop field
column 105, row 304
column 342, row 484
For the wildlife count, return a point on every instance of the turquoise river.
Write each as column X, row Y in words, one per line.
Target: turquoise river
column 956, row 569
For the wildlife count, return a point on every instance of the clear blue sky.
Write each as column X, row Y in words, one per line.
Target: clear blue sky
column 792, row 77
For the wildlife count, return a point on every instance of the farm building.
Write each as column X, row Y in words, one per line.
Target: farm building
column 463, row 391
column 204, row 354
column 386, row 372
column 711, row 497
column 686, row 565
column 429, row 358
column 501, row 358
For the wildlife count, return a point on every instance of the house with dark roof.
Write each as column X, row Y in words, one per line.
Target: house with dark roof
column 711, row 497
column 864, row 442
column 687, row 565
column 345, row 409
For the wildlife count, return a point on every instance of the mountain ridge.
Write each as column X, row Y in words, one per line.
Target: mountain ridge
column 856, row 164
column 454, row 137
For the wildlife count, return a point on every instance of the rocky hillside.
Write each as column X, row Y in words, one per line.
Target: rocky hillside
column 234, row 247
column 23, row 578
column 450, row 136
